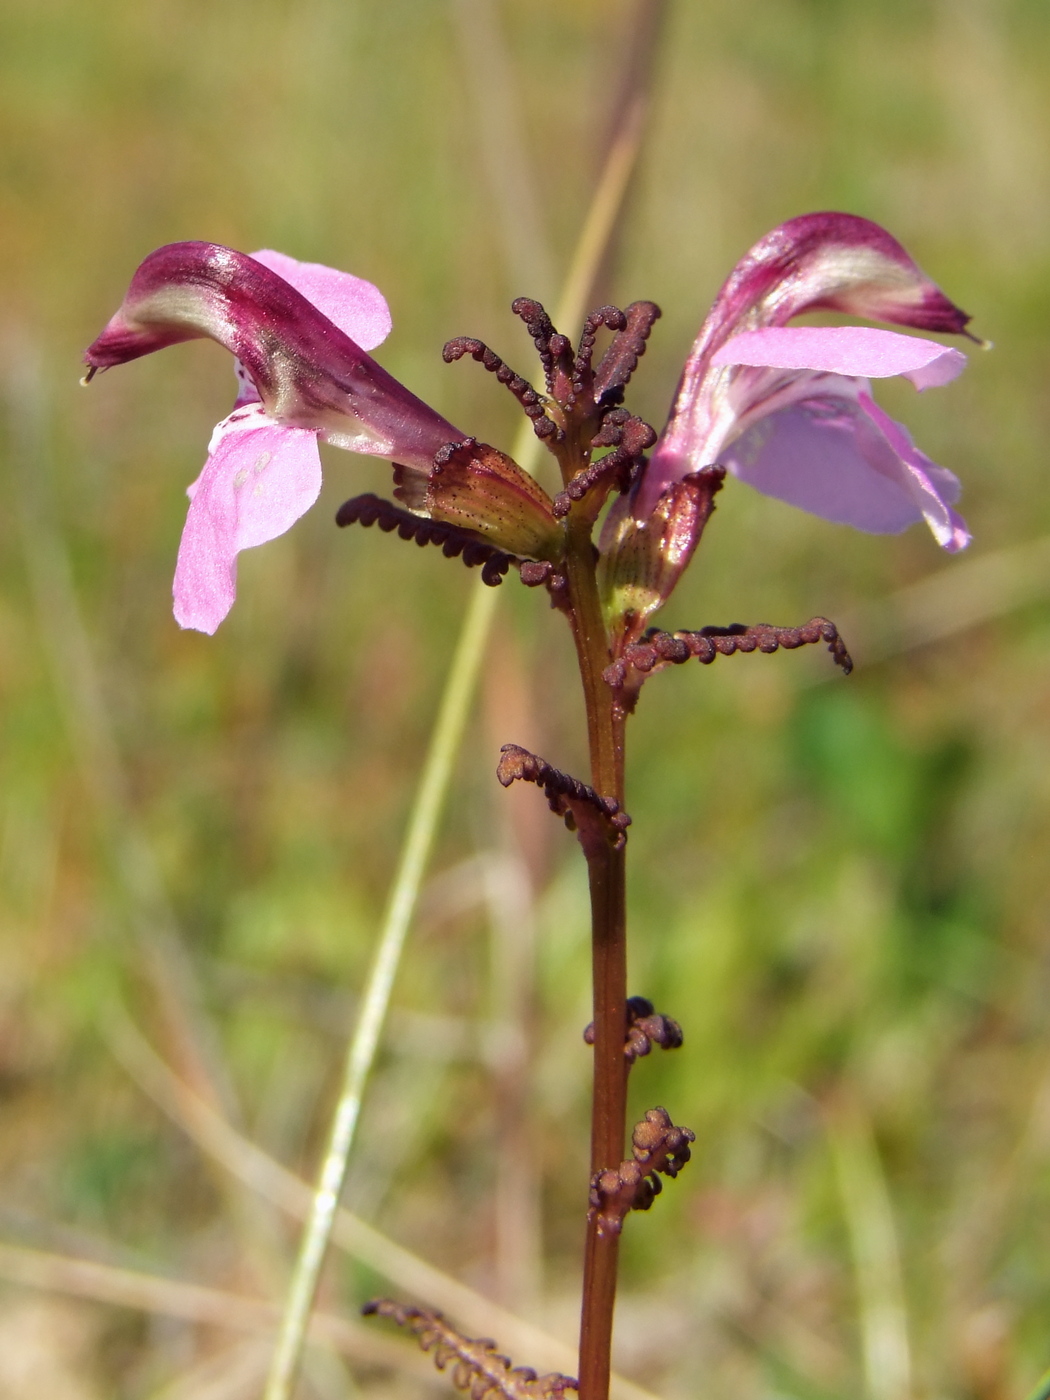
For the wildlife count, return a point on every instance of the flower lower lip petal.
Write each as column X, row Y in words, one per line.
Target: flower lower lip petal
column 259, row 479
column 857, row 351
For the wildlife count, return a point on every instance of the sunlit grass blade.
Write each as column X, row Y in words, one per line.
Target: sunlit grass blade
column 868, row 1211
column 209, row 1307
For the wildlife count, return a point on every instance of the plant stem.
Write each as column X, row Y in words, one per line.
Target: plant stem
column 606, row 873
column 592, row 247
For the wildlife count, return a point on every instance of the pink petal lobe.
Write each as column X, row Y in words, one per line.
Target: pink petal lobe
column 834, row 457
column 260, row 477
column 357, row 307
column 856, row 351
column 933, row 488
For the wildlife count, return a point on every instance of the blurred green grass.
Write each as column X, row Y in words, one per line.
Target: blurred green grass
column 840, row 887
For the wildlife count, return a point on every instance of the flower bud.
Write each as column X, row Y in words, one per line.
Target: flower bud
column 474, row 486
column 643, row 560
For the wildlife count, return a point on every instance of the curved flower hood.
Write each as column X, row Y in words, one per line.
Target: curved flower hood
column 790, row 410
column 300, row 332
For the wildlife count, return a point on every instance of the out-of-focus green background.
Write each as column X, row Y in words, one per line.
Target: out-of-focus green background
column 841, row 888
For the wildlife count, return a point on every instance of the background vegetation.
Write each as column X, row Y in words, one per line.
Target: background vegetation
column 839, row 887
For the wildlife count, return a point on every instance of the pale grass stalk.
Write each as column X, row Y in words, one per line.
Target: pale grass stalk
column 267, row 1178
column 415, row 853
column 499, row 129
column 868, row 1212
column 209, row 1307
column 595, row 238
column 976, row 1235
column 235, row 1373
column 1042, row 1389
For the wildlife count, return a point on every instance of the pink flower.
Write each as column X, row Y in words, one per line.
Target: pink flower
column 790, row 409
column 299, row 332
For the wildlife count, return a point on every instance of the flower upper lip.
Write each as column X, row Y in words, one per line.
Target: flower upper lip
column 299, row 332
column 307, row 371
column 752, row 388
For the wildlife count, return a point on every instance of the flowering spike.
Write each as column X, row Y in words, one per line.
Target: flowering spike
column 645, row 1028
column 598, row 820
column 541, row 328
column 522, row 390
column 658, row 649
column 610, row 434
column 615, row 320
column 455, row 543
column 633, row 436
column 660, row 1148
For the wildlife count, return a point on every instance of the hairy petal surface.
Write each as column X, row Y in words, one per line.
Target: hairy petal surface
column 260, row 477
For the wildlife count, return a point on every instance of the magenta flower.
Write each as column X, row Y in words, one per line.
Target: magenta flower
column 790, row 410
column 299, row 332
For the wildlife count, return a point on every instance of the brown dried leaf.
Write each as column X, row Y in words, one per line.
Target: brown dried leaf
column 476, row 1364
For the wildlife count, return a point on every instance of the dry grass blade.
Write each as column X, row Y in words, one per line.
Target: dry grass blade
column 212, row 1307
column 883, row 1313
column 234, row 1373
column 499, row 127
column 257, row 1170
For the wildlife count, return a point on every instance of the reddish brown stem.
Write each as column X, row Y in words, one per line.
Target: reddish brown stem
column 609, row 1112
column 606, row 872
